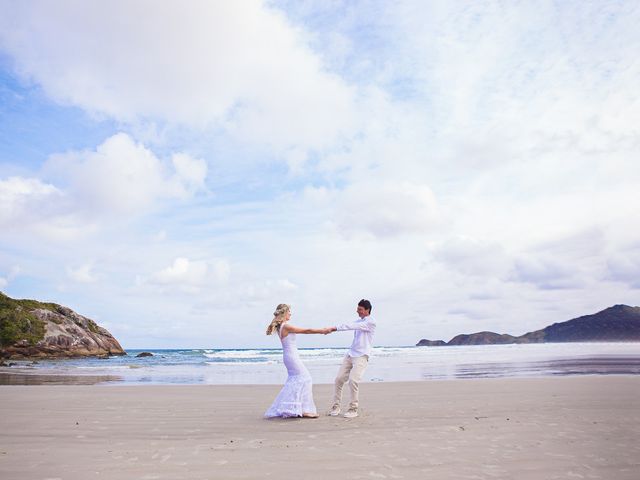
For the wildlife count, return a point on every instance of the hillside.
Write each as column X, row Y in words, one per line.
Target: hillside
column 619, row 323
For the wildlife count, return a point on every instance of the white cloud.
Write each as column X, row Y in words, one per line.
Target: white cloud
column 182, row 271
column 190, row 172
column 461, row 162
column 191, row 276
column 119, row 176
column 473, row 257
column 30, row 206
column 547, row 273
column 159, row 236
column 82, row 191
column 380, row 209
column 82, row 274
column 296, row 159
column 5, row 280
column 25, row 200
column 124, row 177
column 239, row 65
column 267, row 290
column 624, row 266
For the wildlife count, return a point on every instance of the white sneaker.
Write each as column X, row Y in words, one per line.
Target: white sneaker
column 335, row 411
column 351, row 413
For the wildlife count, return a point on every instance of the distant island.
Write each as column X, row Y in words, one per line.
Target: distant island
column 619, row 323
column 32, row 329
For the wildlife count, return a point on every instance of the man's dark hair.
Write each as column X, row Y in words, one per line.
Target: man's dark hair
column 366, row 304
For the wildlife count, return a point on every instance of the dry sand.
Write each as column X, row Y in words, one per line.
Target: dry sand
column 537, row 428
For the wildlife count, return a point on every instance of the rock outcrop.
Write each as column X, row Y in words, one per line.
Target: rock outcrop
column 619, row 323
column 32, row 329
column 482, row 338
column 431, row 343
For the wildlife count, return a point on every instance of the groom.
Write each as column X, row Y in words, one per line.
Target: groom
column 356, row 360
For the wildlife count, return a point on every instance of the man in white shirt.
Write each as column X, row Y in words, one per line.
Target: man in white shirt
column 356, row 360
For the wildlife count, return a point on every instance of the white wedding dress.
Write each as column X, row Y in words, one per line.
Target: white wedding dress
column 296, row 396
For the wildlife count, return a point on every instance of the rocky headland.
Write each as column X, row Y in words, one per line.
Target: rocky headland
column 32, row 329
column 619, row 323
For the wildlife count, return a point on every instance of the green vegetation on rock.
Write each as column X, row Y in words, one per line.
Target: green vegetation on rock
column 18, row 323
column 93, row 326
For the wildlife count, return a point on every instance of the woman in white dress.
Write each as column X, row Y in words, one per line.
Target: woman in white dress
column 296, row 398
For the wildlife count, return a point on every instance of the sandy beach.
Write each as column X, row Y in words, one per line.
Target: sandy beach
column 538, row 428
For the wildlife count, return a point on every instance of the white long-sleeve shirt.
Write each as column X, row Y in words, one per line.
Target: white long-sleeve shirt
column 363, row 328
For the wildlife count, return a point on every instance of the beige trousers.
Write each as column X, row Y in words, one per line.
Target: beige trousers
column 352, row 369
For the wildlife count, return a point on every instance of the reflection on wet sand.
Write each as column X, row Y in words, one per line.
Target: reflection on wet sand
column 38, row 379
column 403, row 365
column 596, row 365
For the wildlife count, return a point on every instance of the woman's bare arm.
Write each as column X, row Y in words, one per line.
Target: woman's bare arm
column 293, row 329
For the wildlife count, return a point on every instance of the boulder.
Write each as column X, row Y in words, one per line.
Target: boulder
column 32, row 329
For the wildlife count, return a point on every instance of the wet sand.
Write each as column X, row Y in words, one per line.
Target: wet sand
column 31, row 378
column 525, row 428
column 389, row 369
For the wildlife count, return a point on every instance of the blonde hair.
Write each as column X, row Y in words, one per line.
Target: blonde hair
column 278, row 317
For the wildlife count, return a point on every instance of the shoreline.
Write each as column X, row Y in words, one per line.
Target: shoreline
column 525, row 428
column 382, row 370
column 8, row 380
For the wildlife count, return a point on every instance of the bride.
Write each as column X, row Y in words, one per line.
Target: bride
column 296, row 398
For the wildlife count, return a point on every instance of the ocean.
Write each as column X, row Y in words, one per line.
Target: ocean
column 387, row 364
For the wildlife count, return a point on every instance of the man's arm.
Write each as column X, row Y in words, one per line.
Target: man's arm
column 365, row 326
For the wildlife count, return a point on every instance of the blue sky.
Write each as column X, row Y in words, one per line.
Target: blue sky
column 175, row 172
